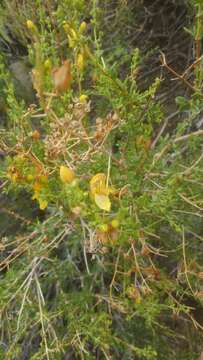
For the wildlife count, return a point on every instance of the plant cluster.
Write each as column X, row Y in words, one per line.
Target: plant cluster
column 112, row 262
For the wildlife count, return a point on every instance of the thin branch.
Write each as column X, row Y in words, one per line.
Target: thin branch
column 180, row 77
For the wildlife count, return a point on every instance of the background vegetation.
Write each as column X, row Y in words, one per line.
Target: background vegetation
column 101, row 179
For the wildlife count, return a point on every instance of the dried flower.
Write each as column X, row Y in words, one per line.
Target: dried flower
column 62, row 77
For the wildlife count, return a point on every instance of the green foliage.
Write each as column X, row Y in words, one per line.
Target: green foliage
column 82, row 280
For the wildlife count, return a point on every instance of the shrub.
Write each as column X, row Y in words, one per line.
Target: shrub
column 112, row 259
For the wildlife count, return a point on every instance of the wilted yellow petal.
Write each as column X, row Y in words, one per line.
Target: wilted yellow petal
column 66, row 174
column 102, row 202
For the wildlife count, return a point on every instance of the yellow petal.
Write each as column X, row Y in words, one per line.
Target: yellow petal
column 66, row 174
column 102, row 202
column 97, row 183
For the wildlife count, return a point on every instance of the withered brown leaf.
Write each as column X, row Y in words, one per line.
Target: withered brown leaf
column 62, row 77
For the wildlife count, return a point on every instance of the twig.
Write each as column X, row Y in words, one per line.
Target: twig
column 163, row 128
column 159, row 155
column 196, row 62
column 41, row 302
column 180, row 77
column 185, row 137
column 114, row 275
column 190, row 202
column 185, row 264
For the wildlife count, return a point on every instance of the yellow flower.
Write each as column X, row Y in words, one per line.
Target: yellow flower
column 103, row 228
column 30, row 177
column 66, row 174
column 71, row 42
column 134, row 293
column 73, row 34
column 83, row 98
column 37, row 186
column 13, row 177
column 80, row 62
column 31, row 26
column 36, row 195
column 83, row 27
column 100, row 191
column 47, row 64
column 66, row 27
column 13, row 174
column 43, row 179
column 42, row 202
column 115, row 223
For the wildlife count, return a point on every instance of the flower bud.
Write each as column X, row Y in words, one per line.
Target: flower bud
column 103, row 228
column 71, row 42
column 80, row 62
column 66, row 174
column 66, row 27
column 47, row 64
column 83, row 98
column 83, row 27
column 73, row 34
column 31, row 26
column 115, row 223
column 35, row 135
